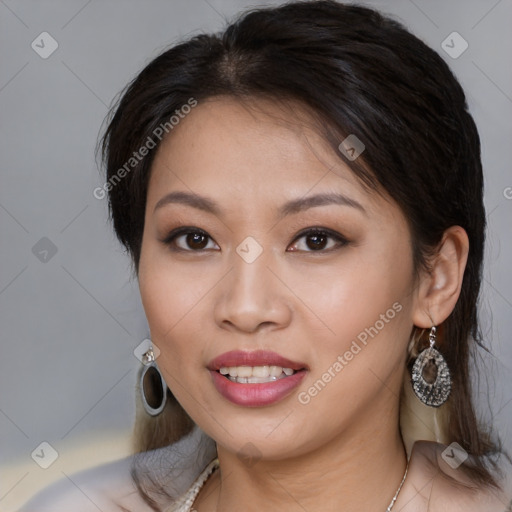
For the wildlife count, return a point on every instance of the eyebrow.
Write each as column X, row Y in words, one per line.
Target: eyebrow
column 304, row 203
column 190, row 199
column 289, row 208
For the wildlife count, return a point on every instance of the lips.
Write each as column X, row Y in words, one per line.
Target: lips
column 243, row 391
column 254, row 358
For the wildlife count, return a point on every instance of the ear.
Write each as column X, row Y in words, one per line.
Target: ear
column 439, row 289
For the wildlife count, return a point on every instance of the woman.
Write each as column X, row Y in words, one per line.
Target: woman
column 301, row 197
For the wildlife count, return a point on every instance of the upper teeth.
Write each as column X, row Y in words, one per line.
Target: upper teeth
column 255, row 371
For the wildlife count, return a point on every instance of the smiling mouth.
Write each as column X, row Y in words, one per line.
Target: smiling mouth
column 255, row 374
column 255, row 379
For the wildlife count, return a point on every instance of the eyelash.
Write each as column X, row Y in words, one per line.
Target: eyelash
column 170, row 239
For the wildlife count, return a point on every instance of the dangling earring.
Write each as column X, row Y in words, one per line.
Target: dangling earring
column 431, row 380
column 152, row 385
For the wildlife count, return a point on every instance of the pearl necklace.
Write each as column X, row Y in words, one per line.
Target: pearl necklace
column 185, row 505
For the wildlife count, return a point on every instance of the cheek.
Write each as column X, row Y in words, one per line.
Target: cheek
column 175, row 301
column 367, row 307
column 167, row 292
column 168, row 303
column 351, row 296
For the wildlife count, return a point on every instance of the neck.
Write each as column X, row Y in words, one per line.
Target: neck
column 360, row 469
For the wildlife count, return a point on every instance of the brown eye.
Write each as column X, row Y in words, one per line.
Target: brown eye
column 190, row 239
column 318, row 240
column 196, row 240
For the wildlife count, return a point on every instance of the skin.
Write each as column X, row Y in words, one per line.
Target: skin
column 342, row 450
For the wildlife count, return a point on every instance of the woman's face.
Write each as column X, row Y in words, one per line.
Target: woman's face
column 282, row 261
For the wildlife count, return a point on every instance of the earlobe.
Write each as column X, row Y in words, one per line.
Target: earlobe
column 439, row 288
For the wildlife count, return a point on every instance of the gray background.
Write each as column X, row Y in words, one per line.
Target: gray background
column 69, row 325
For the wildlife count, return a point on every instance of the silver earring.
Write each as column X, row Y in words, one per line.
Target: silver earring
column 431, row 380
column 152, row 385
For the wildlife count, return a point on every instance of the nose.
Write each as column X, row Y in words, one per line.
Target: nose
column 251, row 299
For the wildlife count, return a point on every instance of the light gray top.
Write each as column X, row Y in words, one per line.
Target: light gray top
column 110, row 486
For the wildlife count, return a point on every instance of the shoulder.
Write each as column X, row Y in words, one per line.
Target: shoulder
column 437, row 480
column 108, row 488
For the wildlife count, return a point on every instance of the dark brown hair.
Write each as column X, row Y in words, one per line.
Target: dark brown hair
column 361, row 73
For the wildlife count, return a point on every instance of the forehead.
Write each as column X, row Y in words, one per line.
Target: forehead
column 257, row 149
